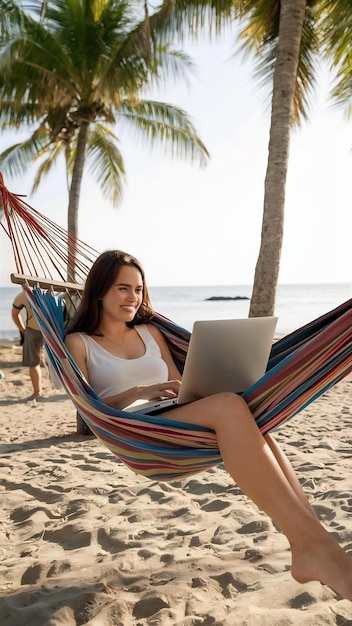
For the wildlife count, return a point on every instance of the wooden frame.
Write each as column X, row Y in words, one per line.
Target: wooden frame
column 45, row 283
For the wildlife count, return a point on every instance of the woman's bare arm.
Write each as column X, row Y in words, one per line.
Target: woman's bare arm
column 174, row 374
column 77, row 349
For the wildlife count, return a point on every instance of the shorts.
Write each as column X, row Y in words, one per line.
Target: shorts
column 32, row 347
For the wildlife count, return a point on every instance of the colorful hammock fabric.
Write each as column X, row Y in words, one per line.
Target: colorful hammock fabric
column 301, row 367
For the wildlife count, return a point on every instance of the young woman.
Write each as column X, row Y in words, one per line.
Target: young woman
column 126, row 359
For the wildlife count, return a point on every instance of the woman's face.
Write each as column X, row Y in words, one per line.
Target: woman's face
column 125, row 296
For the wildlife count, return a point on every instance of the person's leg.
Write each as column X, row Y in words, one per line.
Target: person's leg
column 36, row 378
column 253, row 465
column 289, row 472
column 32, row 348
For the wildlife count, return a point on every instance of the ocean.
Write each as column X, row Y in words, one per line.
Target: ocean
column 295, row 304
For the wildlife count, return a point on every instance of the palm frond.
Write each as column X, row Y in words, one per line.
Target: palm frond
column 335, row 26
column 187, row 18
column 174, row 64
column 46, row 166
column 35, row 61
column 17, row 158
column 106, row 163
column 259, row 37
column 11, row 19
column 166, row 125
column 16, row 115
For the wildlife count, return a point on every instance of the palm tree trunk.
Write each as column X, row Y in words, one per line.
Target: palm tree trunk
column 292, row 15
column 72, row 226
column 73, row 203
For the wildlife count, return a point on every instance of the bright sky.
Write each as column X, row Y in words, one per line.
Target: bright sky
column 190, row 226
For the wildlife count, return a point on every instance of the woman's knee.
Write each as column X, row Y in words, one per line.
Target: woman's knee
column 228, row 397
column 228, row 413
column 217, row 412
column 231, row 404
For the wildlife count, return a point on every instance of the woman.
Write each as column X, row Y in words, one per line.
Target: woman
column 126, row 359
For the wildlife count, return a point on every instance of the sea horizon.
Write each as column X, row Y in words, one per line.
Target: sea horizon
column 296, row 304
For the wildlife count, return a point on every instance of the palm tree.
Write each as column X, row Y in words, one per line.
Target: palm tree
column 73, row 73
column 287, row 54
column 281, row 35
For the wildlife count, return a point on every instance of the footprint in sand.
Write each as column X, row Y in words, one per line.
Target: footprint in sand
column 70, row 537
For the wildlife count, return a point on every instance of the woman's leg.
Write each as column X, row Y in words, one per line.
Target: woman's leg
column 289, row 472
column 253, row 465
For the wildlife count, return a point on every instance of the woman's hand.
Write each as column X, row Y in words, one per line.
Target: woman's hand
column 159, row 391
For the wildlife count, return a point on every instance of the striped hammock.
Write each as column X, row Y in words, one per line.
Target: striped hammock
column 302, row 365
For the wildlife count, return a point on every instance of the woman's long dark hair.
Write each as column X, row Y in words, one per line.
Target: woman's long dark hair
column 101, row 277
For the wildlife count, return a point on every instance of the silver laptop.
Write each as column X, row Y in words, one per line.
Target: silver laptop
column 223, row 355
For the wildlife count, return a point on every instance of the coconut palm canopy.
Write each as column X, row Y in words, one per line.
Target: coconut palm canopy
column 75, row 75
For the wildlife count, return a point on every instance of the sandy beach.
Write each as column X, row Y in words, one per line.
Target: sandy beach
column 84, row 541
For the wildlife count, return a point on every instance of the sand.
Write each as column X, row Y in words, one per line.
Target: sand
column 84, row 541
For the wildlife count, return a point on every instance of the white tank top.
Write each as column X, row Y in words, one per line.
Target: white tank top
column 110, row 375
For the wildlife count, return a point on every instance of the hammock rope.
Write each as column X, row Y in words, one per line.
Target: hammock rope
column 302, row 365
column 40, row 246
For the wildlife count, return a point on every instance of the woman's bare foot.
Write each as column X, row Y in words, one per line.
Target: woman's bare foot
column 325, row 562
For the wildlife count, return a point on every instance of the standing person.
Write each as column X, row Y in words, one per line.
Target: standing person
column 125, row 358
column 32, row 341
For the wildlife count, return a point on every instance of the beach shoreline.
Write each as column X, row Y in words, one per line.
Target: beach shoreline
column 85, row 541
